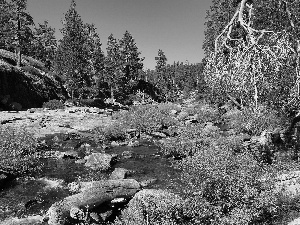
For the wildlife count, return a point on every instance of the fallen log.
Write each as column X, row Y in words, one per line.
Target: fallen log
column 92, row 195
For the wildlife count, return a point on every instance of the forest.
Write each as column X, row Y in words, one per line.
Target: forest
column 211, row 143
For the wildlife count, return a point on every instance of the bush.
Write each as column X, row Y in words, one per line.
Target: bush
column 254, row 121
column 53, row 104
column 113, row 132
column 147, row 118
column 92, row 103
column 17, row 150
column 226, row 188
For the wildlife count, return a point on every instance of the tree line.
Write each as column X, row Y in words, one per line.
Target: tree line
column 79, row 61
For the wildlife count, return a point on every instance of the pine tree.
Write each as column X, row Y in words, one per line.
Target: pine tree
column 72, row 60
column 130, row 57
column 113, row 64
column 44, row 44
column 15, row 26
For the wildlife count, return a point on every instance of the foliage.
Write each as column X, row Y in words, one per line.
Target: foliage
column 148, row 118
column 16, row 26
column 73, row 59
column 131, row 61
column 53, row 104
column 252, row 51
column 17, row 149
column 44, row 44
column 226, row 188
column 113, row 132
column 254, row 121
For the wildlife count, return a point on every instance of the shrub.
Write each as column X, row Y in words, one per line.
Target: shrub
column 147, row 118
column 226, row 188
column 17, row 150
column 255, row 121
column 53, row 104
column 92, row 103
column 114, row 132
column 188, row 141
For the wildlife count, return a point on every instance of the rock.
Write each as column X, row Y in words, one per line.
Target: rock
column 114, row 144
column 92, row 195
column 295, row 222
column 69, row 155
column 30, row 220
column 173, row 112
column 147, row 182
column 182, row 115
column 127, row 154
column 158, row 135
column 209, row 129
column 99, row 161
column 51, row 183
column 133, row 143
column 288, row 185
column 119, row 173
column 158, row 205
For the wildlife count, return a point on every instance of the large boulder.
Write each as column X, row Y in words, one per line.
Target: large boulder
column 161, row 207
column 92, row 195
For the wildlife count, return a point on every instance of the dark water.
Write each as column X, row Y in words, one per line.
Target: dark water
column 30, row 196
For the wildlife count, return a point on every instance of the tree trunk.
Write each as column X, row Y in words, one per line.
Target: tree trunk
column 18, row 55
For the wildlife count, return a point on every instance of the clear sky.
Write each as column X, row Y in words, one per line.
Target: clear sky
column 175, row 26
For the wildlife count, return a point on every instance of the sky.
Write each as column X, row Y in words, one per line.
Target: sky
column 174, row 26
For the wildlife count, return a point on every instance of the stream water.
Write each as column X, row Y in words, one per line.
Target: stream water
column 34, row 195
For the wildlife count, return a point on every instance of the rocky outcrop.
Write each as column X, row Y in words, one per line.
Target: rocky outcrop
column 27, row 86
column 99, row 161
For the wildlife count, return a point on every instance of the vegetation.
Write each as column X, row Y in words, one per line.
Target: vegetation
column 18, row 151
column 53, row 104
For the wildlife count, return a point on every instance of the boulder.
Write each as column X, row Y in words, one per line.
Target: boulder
column 161, row 207
column 295, row 222
column 92, row 195
column 27, row 89
column 288, row 185
column 119, row 173
column 30, row 220
column 99, row 161
column 182, row 115
column 158, row 135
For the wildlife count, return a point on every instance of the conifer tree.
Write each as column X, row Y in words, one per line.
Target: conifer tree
column 44, row 44
column 72, row 57
column 112, row 64
column 130, row 57
column 15, row 26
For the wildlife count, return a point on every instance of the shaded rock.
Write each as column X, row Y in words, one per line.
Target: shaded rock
column 119, row 173
column 161, row 207
column 99, row 161
column 92, row 195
